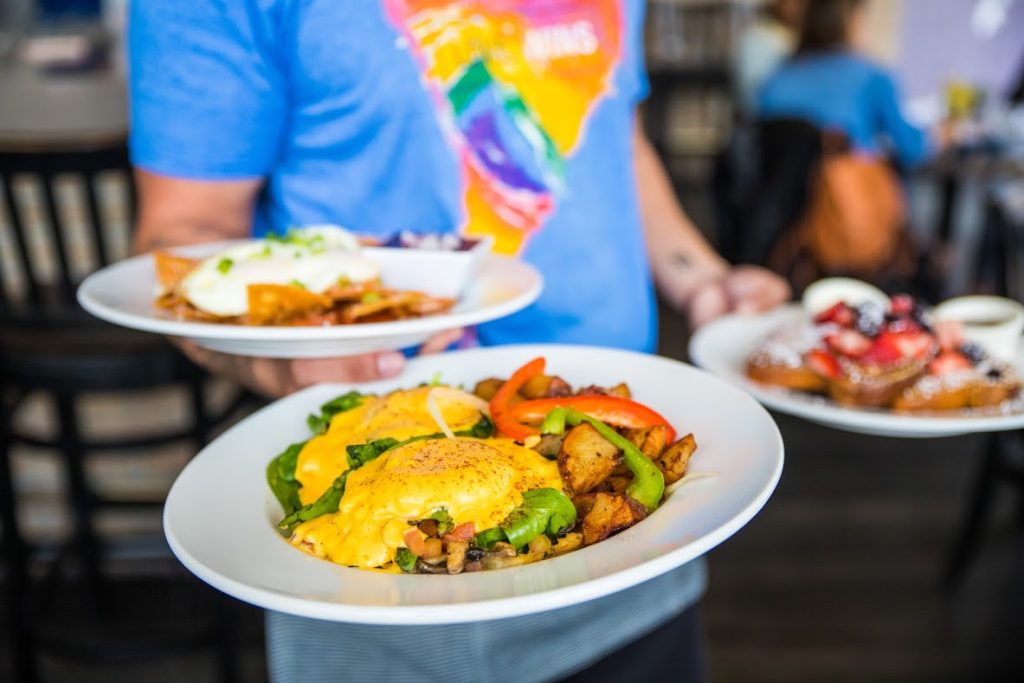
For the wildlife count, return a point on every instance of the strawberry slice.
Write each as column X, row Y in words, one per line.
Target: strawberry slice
column 840, row 314
column 949, row 361
column 915, row 344
column 823, row 363
column 849, row 343
column 901, row 304
column 884, row 351
column 892, row 347
column 902, row 325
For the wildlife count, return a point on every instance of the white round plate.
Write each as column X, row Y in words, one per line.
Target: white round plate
column 220, row 515
column 723, row 347
column 123, row 294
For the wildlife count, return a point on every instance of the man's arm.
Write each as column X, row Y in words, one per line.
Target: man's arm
column 174, row 212
column 687, row 271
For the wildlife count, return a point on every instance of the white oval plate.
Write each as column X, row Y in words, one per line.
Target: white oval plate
column 722, row 347
column 123, row 294
column 219, row 518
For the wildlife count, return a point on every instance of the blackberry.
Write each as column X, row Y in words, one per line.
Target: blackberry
column 973, row 352
column 994, row 374
column 475, row 554
column 922, row 316
column 871, row 319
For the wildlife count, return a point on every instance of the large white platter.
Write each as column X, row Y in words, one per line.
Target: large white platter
column 123, row 294
column 723, row 347
column 220, row 516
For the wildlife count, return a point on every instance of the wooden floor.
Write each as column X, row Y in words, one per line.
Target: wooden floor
column 838, row 578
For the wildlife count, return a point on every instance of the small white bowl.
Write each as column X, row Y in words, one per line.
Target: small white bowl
column 824, row 294
column 992, row 322
column 440, row 272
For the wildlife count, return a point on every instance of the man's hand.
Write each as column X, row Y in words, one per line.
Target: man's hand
column 688, row 272
column 176, row 211
column 743, row 289
column 276, row 377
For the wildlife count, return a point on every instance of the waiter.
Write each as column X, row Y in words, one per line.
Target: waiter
column 510, row 118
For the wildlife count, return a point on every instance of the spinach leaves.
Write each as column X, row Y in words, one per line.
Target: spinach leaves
column 318, row 423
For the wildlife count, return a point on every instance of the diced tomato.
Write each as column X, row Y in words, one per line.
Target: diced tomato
column 823, row 363
column 840, row 314
column 414, row 542
column 901, row 304
column 848, row 342
column 949, row 361
column 463, row 532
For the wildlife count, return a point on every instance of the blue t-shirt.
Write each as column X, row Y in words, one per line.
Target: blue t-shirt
column 510, row 118
column 844, row 92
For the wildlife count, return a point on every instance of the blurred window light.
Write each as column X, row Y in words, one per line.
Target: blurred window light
column 990, row 16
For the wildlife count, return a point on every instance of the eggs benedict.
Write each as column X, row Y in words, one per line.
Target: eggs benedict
column 438, row 480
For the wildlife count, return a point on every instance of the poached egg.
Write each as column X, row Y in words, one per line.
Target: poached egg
column 315, row 258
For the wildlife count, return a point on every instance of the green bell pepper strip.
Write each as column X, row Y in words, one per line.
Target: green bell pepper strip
column 281, row 478
column 327, row 503
column 544, row 511
column 648, row 482
column 406, row 560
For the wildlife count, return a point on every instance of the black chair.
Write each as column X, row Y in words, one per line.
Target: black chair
column 760, row 185
column 49, row 344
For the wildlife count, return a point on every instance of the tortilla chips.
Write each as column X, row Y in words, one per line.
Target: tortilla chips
column 294, row 305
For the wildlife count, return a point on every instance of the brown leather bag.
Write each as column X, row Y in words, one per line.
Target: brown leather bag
column 856, row 215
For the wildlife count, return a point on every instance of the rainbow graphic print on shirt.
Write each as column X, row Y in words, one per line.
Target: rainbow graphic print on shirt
column 514, row 82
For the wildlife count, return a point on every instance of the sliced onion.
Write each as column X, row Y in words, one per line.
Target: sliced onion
column 460, row 396
column 435, row 413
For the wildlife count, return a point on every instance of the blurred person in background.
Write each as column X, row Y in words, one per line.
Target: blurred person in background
column 514, row 119
column 854, row 220
column 767, row 42
column 831, row 84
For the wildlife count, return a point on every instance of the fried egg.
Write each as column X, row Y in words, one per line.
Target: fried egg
column 399, row 415
column 474, row 480
column 315, row 258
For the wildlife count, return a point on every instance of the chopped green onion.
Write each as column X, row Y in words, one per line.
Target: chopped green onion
column 224, row 265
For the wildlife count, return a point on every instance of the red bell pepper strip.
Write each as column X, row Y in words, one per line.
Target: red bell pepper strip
column 506, row 424
column 613, row 410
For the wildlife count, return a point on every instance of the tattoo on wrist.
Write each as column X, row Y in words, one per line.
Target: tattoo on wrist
column 680, row 260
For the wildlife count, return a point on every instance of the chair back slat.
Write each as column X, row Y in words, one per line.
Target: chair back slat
column 24, row 261
column 50, row 292
column 54, row 227
column 96, row 225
